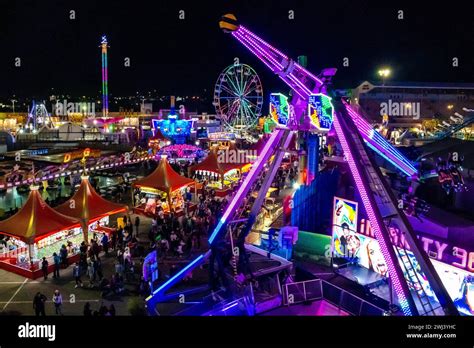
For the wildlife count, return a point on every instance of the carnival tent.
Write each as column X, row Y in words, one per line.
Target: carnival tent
column 88, row 206
column 164, row 179
column 36, row 220
column 212, row 164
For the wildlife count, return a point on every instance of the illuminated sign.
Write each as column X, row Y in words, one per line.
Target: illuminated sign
column 320, row 111
column 453, row 264
column 79, row 154
column 221, row 136
column 173, row 128
column 279, row 108
column 436, row 249
column 344, row 224
column 459, row 284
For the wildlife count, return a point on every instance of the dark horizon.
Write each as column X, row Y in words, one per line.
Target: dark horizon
column 182, row 57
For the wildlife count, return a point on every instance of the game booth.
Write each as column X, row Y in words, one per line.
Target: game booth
column 218, row 175
column 162, row 188
column 34, row 232
column 91, row 210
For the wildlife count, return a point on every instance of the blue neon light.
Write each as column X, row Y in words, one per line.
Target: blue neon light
column 176, row 277
column 321, row 111
column 279, row 108
column 174, row 129
column 387, row 158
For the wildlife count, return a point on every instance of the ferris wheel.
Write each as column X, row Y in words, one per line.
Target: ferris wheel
column 238, row 97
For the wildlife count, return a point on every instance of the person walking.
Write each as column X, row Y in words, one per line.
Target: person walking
column 58, row 302
column 114, row 240
column 57, row 265
column 91, row 274
column 137, row 225
column 105, row 244
column 63, row 253
column 97, row 265
column 44, row 268
column 76, row 273
column 38, row 304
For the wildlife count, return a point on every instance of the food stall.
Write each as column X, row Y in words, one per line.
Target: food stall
column 162, row 188
column 34, row 232
column 91, row 209
column 217, row 174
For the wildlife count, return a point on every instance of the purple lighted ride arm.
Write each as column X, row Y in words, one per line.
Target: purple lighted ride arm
column 276, row 61
column 257, row 168
column 376, row 223
column 297, row 79
column 379, row 144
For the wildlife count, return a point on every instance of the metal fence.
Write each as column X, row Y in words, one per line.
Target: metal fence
column 319, row 289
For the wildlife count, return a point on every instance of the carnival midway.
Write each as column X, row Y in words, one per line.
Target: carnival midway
column 302, row 200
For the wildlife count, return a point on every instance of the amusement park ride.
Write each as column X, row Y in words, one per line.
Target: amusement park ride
column 311, row 110
column 38, row 117
column 238, row 98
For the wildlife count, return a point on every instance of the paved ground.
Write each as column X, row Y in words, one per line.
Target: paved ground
column 17, row 292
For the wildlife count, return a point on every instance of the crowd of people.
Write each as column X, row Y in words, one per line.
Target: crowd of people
column 172, row 235
column 179, row 236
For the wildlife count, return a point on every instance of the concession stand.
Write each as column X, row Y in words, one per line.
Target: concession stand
column 91, row 210
column 163, row 188
column 34, row 232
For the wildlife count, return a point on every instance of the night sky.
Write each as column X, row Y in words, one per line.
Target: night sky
column 186, row 56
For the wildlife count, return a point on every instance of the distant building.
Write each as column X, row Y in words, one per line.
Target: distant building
column 412, row 102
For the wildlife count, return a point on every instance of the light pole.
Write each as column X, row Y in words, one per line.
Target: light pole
column 13, row 104
column 384, row 73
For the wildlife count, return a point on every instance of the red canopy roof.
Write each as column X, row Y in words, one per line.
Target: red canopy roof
column 164, row 178
column 88, row 206
column 212, row 164
column 36, row 220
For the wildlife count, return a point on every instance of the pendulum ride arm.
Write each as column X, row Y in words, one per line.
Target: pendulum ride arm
column 304, row 83
column 377, row 198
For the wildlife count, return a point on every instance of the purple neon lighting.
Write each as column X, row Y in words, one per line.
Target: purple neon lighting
column 380, row 144
column 262, row 41
column 268, row 55
column 377, row 138
column 257, row 51
column 294, row 89
column 302, row 70
column 306, row 72
column 245, row 186
column 252, row 50
column 298, row 82
column 375, row 223
column 265, row 53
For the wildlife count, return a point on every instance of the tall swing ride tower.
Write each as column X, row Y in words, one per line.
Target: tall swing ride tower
column 105, row 88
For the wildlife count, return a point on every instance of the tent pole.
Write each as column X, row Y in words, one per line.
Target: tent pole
column 85, row 232
column 31, row 251
column 169, row 200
